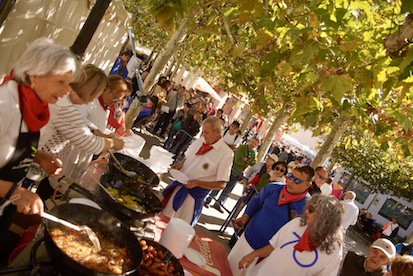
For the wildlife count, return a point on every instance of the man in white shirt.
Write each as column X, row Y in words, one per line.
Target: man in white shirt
column 207, row 164
column 351, row 210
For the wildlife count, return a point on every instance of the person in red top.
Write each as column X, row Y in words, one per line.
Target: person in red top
column 337, row 189
column 40, row 77
column 116, row 119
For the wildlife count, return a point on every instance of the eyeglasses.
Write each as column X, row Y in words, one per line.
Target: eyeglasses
column 322, row 177
column 296, row 179
column 279, row 169
column 311, row 208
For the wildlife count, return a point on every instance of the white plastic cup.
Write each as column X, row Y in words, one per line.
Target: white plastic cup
column 177, row 236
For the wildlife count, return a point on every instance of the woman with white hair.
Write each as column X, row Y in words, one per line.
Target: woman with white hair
column 40, row 77
column 310, row 245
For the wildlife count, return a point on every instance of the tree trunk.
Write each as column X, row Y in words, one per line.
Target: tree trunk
column 89, row 28
column 170, row 48
column 177, row 65
column 169, row 69
column 347, row 184
column 280, row 118
column 247, row 121
column 339, row 128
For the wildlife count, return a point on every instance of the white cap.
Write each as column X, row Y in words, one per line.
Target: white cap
column 386, row 246
column 273, row 156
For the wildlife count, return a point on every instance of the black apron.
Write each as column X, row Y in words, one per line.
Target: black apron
column 16, row 169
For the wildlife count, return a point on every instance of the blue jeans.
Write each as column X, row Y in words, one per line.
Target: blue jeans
column 225, row 192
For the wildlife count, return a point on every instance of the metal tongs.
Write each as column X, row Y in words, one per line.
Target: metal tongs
column 119, row 166
column 82, row 228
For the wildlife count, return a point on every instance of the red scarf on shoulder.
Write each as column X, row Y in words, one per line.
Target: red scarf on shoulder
column 35, row 112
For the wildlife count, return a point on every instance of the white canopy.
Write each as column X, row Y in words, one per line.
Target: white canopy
column 204, row 86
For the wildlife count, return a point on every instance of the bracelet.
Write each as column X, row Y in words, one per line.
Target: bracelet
column 11, row 191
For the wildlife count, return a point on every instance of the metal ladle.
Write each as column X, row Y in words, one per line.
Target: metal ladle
column 82, row 228
column 119, row 166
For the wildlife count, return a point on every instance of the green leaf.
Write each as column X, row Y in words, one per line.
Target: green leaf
column 338, row 86
column 284, row 68
column 407, row 6
column 238, row 50
column 407, row 60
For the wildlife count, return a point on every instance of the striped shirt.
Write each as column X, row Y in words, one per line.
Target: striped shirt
column 65, row 130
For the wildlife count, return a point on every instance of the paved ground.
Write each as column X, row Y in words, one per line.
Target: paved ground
column 211, row 220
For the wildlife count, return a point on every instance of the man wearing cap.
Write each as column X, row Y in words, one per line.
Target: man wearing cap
column 381, row 253
column 260, row 168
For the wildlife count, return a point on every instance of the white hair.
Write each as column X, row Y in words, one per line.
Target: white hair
column 43, row 57
column 215, row 123
column 351, row 195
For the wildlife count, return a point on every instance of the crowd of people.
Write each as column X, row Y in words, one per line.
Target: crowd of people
column 57, row 115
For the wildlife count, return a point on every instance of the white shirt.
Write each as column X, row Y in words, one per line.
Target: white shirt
column 214, row 165
column 285, row 260
column 351, row 212
column 10, row 118
column 230, row 139
column 390, row 228
column 95, row 116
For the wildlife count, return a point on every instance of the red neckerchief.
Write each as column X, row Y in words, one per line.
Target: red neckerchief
column 254, row 181
column 204, row 149
column 35, row 112
column 285, row 197
column 102, row 104
column 305, row 242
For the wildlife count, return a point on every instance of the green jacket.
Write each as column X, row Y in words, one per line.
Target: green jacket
column 239, row 163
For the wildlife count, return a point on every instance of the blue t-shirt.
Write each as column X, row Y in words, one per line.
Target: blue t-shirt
column 267, row 217
column 145, row 112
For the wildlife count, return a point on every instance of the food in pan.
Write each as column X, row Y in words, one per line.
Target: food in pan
column 111, row 258
column 155, row 263
column 128, row 200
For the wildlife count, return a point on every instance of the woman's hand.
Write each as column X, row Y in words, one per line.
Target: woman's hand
column 49, row 162
column 27, row 203
column 246, row 261
column 118, row 144
column 128, row 132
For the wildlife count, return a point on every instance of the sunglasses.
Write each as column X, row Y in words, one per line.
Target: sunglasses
column 296, row 179
column 322, row 177
column 311, row 208
column 279, row 169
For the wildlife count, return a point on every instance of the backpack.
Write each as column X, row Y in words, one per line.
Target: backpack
column 225, row 132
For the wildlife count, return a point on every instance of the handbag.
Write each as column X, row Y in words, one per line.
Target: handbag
column 165, row 109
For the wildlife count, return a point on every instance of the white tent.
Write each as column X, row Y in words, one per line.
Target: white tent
column 204, row 86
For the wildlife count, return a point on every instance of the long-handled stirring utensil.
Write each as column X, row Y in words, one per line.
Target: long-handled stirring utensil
column 119, row 166
column 82, row 228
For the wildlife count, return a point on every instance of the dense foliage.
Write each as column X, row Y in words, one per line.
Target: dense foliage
column 325, row 58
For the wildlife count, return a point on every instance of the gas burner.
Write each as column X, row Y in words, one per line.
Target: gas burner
column 35, row 267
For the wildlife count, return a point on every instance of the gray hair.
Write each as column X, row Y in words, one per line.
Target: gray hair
column 351, row 195
column 325, row 232
column 214, row 122
column 43, row 57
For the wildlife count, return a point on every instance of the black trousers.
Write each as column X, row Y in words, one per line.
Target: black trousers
column 163, row 122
